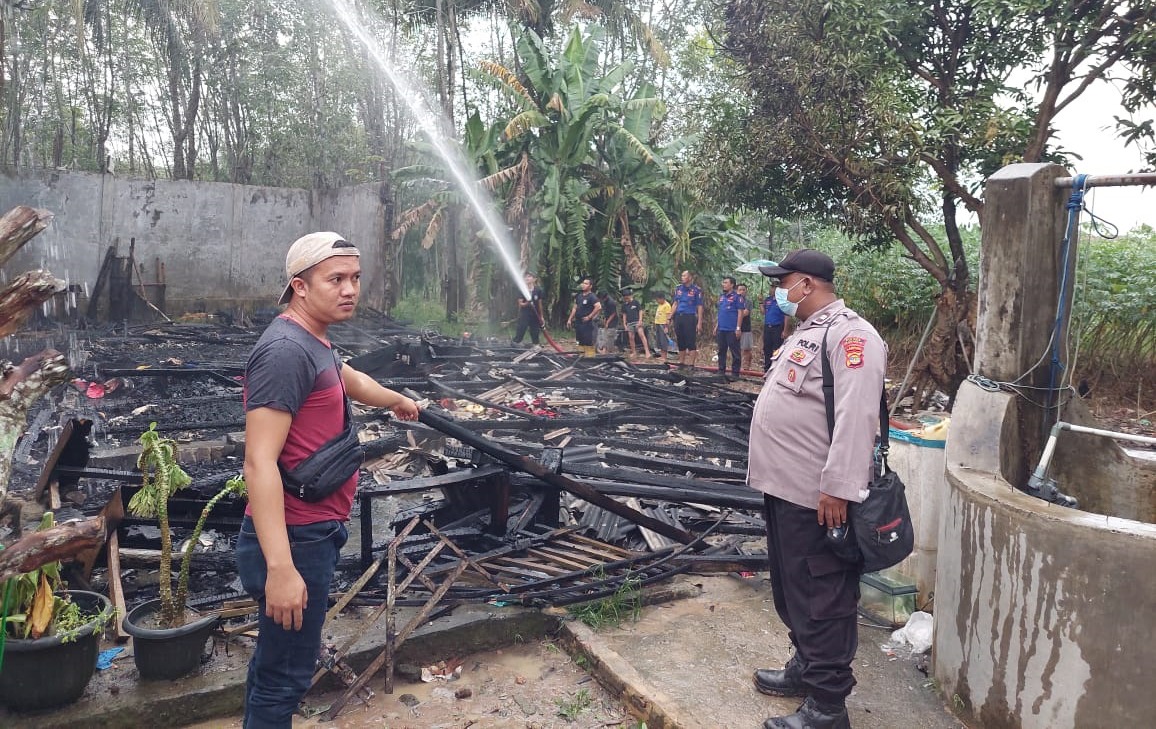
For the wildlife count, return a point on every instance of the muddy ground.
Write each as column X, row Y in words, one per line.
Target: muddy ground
column 533, row 685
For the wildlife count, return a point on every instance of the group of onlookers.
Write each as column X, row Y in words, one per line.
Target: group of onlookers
column 603, row 325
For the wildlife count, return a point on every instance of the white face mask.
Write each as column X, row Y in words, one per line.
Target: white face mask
column 788, row 307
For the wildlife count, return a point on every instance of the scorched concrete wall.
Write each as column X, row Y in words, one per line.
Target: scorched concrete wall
column 221, row 244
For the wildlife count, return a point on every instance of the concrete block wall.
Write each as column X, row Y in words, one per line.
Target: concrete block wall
column 221, row 244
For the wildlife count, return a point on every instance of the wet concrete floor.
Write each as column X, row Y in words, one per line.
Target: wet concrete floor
column 687, row 662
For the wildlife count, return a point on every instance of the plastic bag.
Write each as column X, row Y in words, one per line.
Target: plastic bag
column 916, row 633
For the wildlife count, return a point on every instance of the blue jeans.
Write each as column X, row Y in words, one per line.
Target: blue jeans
column 284, row 661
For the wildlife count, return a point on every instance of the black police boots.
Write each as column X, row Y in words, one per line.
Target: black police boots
column 785, row 682
column 812, row 715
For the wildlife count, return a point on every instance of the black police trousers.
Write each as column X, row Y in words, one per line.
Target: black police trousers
column 816, row 596
column 772, row 340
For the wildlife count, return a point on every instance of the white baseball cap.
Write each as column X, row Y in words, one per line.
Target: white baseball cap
column 309, row 250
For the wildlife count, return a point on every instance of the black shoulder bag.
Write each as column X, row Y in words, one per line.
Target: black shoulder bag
column 330, row 466
column 880, row 526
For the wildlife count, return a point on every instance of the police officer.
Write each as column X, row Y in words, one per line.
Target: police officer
column 774, row 328
column 727, row 332
column 808, row 477
column 687, row 319
column 582, row 315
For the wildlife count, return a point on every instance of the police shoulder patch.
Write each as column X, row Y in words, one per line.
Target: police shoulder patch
column 853, row 351
column 798, row 355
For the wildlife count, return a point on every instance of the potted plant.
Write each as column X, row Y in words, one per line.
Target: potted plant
column 168, row 638
column 49, row 638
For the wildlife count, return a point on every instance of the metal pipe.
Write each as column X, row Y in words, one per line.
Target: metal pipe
column 1039, row 477
column 1138, row 178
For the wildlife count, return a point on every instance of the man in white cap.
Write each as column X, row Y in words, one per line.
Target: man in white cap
column 295, row 402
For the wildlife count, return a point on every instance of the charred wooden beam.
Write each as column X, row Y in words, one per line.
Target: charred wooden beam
column 527, row 465
column 60, row 542
column 18, row 226
column 699, row 468
column 465, row 476
column 20, row 387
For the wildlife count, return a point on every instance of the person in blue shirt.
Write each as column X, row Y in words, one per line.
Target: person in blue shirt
column 731, row 309
column 774, row 327
column 687, row 300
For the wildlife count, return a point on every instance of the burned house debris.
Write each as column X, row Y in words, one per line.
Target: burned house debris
column 532, row 478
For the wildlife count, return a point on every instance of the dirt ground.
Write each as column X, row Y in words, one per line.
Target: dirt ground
column 534, row 685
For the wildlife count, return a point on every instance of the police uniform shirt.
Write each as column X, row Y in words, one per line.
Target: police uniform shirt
column 687, row 299
column 791, row 455
column 585, row 304
column 632, row 310
column 772, row 314
column 729, row 306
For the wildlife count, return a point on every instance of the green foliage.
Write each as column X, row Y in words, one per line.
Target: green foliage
column 885, row 286
column 427, row 313
column 570, row 709
column 162, row 476
column 32, row 607
column 625, row 603
column 1114, row 306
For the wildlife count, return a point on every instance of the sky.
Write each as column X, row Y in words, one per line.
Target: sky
column 1087, row 127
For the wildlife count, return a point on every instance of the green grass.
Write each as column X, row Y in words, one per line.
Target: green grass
column 570, row 709
column 626, row 602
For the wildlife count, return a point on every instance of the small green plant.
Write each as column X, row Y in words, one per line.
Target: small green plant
column 570, row 709
column 626, row 602
column 31, row 607
column 162, row 476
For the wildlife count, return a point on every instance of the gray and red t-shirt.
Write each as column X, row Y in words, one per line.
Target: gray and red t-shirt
column 293, row 371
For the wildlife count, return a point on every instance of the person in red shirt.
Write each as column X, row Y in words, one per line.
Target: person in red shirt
column 287, row 549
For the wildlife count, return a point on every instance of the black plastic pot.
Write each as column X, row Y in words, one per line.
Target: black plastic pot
column 166, row 653
column 48, row 672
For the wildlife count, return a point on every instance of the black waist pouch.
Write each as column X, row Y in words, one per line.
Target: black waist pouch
column 329, row 467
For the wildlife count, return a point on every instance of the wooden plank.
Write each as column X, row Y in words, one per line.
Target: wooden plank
column 601, row 545
column 573, row 564
column 50, row 464
column 549, row 569
column 581, row 559
column 115, row 586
